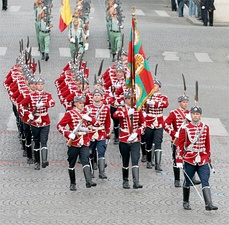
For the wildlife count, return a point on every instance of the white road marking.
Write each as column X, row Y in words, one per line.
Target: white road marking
column 102, row 53
column 162, row 13
column 202, row 57
column 171, row 56
column 3, row 50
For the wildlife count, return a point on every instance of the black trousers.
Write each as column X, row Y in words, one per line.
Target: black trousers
column 4, row 4
column 207, row 17
column 128, row 150
column 74, row 152
column 40, row 136
column 153, row 136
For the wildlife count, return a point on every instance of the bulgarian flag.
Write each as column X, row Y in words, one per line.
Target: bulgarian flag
column 65, row 15
column 140, row 76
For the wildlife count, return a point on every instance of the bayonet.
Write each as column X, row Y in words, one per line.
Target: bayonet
column 184, row 83
column 196, row 96
column 100, row 68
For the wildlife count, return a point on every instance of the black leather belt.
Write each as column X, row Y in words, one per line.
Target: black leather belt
column 45, row 31
column 115, row 31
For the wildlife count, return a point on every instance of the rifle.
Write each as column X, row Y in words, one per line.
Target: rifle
column 69, row 143
column 34, row 111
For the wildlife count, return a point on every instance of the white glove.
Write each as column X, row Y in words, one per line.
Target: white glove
column 111, row 95
column 130, row 111
column 144, row 114
column 86, row 46
column 203, row 7
column 39, row 104
column 31, row 117
column 122, row 103
column 115, row 6
column 180, row 165
column 188, row 117
column 150, row 102
column 87, row 118
column 83, row 129
column 132, row 137
column 44, row 8
column 71, row 136
column 121, row 27
column 72, row 40
column 177, row 135
column 117, row 85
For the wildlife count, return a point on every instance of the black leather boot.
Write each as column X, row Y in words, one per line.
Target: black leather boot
column 42, row 56
column 125, row 177
column 72, row 177
column 87, row 175
column 176, row 172
column 44, row 156
column 143, row 148
column 116, row 134
column 186, row 193
column 102, row 174
column 95, row 161
column 113, row 57
column 149, row 159
column 135, row 173
column 208, row 200
column 37, row 159
column 158, row 154
column 46, row 56
column 29, row 154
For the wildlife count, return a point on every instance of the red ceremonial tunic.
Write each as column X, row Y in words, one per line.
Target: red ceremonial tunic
column 194, row 144
column 125, row 123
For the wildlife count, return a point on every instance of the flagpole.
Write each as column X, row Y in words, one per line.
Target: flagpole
column 133, row 65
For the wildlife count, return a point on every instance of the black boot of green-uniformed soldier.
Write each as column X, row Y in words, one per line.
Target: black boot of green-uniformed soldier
column 42, row 55
column 113, row 57
column 186, row 193
column 208, row 200
column 135, row 173
column 125, row 177
column 72, row 176
column 87, row 175
column 46, row 56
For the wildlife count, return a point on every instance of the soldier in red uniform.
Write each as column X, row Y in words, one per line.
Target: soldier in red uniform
column 154, row 126
column 129, row 138
column 100, row 131
column 35, row 106
column 172, row 125
column 77, row 139
column 193, row 150
column 176, row 119
column 25, row 120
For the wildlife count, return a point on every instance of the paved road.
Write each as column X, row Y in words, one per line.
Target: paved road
column 178, row 46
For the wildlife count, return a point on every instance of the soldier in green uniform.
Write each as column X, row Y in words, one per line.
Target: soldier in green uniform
column 76, row 33
column 44, row 34
column 115, row 34
column 38, row 5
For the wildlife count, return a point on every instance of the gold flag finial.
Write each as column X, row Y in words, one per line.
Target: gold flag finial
column 133, row 13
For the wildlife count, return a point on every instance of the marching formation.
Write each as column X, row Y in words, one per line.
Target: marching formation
column 109, row 109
